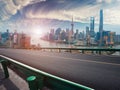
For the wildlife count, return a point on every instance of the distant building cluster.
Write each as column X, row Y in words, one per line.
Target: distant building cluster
column 90, row 37
column 103, row 37
column 68, row 36
column 14, row 40
column 65, row 36
column 117, row 39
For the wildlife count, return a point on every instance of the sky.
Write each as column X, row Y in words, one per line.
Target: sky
column 31, row 15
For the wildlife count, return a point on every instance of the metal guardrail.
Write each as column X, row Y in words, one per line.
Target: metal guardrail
column 4, row 66
column 37, row 79
column 93, row 50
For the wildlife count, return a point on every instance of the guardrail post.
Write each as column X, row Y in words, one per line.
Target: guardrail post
column 40, row 82
column 59, row 50
column 51, row 50
column 96, row 52
column 82, row 51
column 32, row 83
column 100, row 52
column 43, row 49
column 92, row 52
column 4, row 66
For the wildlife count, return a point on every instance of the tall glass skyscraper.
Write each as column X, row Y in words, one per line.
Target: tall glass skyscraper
column 72, row 26
column 101, row 21
column 101, row 27
column 92, row 33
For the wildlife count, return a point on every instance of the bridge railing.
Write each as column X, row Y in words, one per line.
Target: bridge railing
column 4, row 67
column 83, row 50
column 38, row 79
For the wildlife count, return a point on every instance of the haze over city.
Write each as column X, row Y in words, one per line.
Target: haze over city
column 30, row 15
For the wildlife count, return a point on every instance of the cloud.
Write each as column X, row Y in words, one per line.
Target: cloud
column 10, row 7
column 81, row 11
column 61, row 1
column 105, row 1
column 63, row 9
column 112, row 15
column 21, row 2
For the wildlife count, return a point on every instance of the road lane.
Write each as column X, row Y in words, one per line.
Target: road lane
column 99, row 72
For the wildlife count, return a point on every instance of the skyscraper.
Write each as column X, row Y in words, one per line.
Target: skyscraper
column 101, row 21
column 101, row 27
column 87, row 31
column 72, row 26
column 92, row 33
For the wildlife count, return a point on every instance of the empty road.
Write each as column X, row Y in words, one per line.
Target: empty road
column 96, row 71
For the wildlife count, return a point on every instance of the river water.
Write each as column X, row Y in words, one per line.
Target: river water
column 44, row 43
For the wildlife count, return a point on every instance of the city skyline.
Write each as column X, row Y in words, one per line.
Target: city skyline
column 18, row 12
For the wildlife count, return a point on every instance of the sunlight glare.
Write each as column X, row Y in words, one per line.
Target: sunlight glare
column 37, row 32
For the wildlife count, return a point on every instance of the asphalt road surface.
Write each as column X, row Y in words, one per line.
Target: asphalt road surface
column 96, row 71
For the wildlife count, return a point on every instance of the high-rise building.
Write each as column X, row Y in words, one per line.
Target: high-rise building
column 76, row 35
column 101, row 27
column 52, row 31
column 87, row 31
column 72, row 26
column 71, row 33
column 57, row 33
column 0, row 37
column 67, row 35
column 92, row 33
column 81, row 35
column 117, row 39
column 63, row 35
column 87, row 36
column 101, row 21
